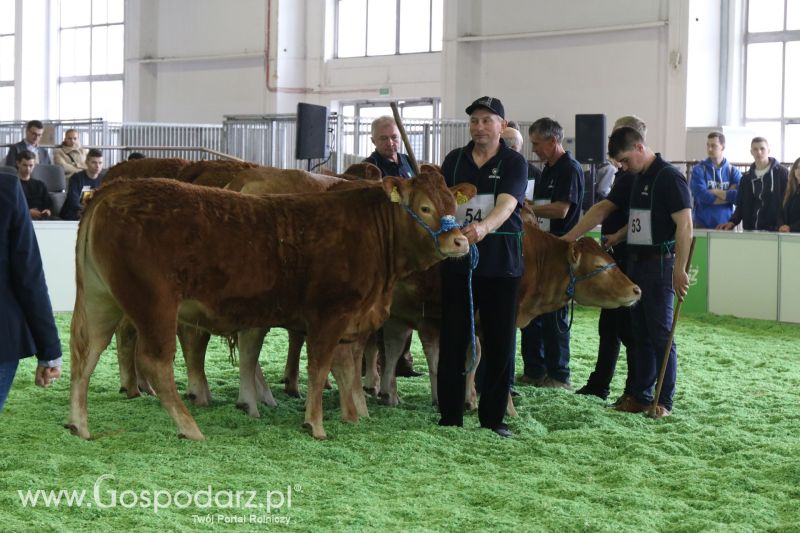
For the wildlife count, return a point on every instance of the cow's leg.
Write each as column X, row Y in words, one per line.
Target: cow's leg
column 510, row 409
column 395, row 336
column 292, row 369
column 471, row 397
column 194, row 342
column 155, row 354
column 250, row 342
column 320, row 344
column 371, row 377
column 357, row 354
column 126, row 357
column 263, row 392
column 93, row 323
column 346, row 379
column 429, row 337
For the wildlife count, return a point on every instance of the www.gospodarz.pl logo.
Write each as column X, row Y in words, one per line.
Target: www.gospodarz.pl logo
column 104, row 497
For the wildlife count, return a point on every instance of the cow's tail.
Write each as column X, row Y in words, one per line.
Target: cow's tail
column 79, row 334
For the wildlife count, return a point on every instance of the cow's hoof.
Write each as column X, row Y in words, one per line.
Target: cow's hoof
column 389, row 399
column 470, row 406
column 251, row 410
column 145, row 388
column 195, row 436
column 372, row 391
column 82, row 433
column 123, row 390
column 318, row 434
column 294, row 393
column 199, row 400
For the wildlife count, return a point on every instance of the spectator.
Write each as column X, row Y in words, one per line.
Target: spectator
column 39, row 204
column 659, row 238
column 82, row 185
column 758, row 202
column 513, row 139
column 500, row 176
column 33, row 134
column 714, row 185
column 136, row 155
column 789, row 221
column 614, row 326
column 69, row 155
column 386, row 138
column 28, row 327
column 557, row 203
column 604, row 179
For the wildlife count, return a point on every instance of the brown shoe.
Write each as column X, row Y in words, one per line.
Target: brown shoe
column 525, row 379
column 618, row 401
column 660, row 412
column 628, row 404
column 552, row 383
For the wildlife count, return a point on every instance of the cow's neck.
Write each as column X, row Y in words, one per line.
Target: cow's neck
column 412, row 248
column 552, row 275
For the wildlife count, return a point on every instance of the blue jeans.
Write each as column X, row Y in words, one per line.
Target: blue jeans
column 8, row 369
column 651, row 319
column 545, row 346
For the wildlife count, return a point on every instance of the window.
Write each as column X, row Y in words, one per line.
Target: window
column 387, row 27
column 91, row 40
column 7, row 59
column 772, row 75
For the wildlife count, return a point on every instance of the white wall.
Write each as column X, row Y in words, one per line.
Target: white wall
column 191, row 61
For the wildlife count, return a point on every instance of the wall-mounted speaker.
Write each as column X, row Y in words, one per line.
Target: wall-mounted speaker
column 590, row 138
column 312, row 132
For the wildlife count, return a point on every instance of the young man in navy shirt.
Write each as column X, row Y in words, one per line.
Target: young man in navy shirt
column 493, row 222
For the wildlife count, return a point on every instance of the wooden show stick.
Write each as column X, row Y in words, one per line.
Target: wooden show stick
column 660, row 383
column 406, row 142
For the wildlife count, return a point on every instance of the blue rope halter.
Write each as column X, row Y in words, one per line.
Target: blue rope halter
column 447, row 223
column 573, row 280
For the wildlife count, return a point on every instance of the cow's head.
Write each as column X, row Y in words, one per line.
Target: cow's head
column 429, row 200
column 595, row 278
column 361, row 171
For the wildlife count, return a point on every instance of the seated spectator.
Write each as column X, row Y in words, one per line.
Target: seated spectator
column 758, row 201
column 33, row 134
column 82, row 185
column 789, row 220
column 136, row 155
column 714, row 185
column 69, row 155
column 35, row 191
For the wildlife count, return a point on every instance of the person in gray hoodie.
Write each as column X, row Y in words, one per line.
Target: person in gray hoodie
column 714, row 185
column 761, row 190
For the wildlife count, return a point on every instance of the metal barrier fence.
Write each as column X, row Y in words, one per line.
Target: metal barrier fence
column 263, row 139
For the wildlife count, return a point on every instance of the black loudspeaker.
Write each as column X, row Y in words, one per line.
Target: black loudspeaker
column 590, row 138
column 312, row 132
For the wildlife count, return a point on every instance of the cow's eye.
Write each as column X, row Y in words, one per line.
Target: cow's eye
column 425, row 209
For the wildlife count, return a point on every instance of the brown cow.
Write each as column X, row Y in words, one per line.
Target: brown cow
column 548, row 264
column 213, row 172
column 312, row 267
column 146, row 168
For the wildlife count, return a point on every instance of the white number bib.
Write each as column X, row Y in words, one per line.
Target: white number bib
column 476, row 209
column 544, row 223
column 529, row 189
column 640, row 229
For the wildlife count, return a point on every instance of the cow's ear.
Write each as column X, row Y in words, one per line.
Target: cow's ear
column 573, row 254
column 463, row 192
column 428, row 167
column 371, row 172
column 394, row 186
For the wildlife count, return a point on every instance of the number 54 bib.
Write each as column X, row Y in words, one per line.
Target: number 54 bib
column 476, row 209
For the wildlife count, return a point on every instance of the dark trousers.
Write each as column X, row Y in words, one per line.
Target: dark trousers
column 496, row 300
column 651, row 319
column 545, row 346
column 614, row 328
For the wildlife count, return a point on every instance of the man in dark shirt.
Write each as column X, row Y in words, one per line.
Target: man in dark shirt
column 659, row 237
column 557, row 201
column 82, row 185
column 34, row 130
column 387, row 141
column 39, row 204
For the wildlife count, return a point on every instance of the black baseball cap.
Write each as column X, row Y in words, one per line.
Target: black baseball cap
column 492, row 104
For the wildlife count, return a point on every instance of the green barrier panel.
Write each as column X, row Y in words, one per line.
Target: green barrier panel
column 697, row 299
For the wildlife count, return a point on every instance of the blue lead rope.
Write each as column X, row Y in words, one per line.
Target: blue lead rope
column 447, row 223
column 573, row 280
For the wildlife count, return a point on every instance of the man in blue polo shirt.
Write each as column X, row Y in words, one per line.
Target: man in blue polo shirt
column 493, row 222
column 387, row 141
column 557, row 200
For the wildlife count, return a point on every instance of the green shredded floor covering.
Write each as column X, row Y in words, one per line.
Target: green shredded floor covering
column 727, row 460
